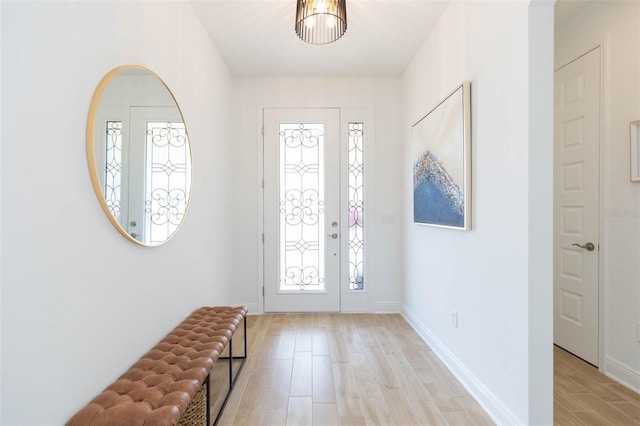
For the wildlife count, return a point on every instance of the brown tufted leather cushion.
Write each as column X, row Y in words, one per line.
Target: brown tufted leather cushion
column 157, row 389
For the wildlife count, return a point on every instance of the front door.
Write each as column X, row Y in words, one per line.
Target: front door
column 301, row 210
column 576, row 205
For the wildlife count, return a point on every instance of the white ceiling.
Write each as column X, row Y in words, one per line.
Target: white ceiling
column 256, row 37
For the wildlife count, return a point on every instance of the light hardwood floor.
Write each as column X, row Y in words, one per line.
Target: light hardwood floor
column 367, row 369
column 584, row 396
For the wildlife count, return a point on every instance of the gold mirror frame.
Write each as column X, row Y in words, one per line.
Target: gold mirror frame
column 96, row 182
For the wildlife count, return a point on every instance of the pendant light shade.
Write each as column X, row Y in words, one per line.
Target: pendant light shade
column 321, row 21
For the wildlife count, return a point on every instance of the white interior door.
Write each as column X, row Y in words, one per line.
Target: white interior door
column 576, row 193
column 301, row 210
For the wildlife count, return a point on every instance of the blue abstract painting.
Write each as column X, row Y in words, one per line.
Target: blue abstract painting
column 437, row 198
column 441, row 163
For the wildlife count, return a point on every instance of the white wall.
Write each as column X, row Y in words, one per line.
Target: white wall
column 80, row 303
column 615, row 26
column 494, row 275
column 382, row 95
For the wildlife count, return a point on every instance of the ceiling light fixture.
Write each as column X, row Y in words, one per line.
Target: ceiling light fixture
column 321, row 21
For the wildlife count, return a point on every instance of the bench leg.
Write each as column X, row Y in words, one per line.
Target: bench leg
column 243, row 357
column 232, row 379
column 208, row 388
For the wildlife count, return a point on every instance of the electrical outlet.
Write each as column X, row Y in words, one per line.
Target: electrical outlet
column 388, row 219
column 454, row 319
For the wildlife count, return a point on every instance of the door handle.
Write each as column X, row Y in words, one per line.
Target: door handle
column 587, row 247
column 334, row 236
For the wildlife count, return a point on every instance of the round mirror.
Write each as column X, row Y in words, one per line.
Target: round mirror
column 138, row 154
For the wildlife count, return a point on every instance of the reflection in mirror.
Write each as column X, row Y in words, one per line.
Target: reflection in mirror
column 139, row 155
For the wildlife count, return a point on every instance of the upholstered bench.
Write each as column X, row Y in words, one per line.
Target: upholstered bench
column 169, row 384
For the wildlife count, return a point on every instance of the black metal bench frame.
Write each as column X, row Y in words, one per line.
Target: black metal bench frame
column 232, row 378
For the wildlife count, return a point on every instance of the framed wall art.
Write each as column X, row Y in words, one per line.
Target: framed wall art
column 442, row 163
column 634, row 134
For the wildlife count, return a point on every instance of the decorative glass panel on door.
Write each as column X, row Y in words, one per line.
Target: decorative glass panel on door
column 301, row 207
column 167, row 181
column 113, row 167
column 356, row 206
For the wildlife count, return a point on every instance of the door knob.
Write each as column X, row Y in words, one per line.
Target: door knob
column 334, row 235
column 587, row 247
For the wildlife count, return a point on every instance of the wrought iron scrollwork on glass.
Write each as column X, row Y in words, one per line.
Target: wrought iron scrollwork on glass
column 356, row 206
column 167, row 178
column 113, row 167
column 301, row 207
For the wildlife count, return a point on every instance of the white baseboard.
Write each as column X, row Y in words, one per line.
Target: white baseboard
column 493, row 405
column 252, row 308
column 622, row 373
column 387, row 308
